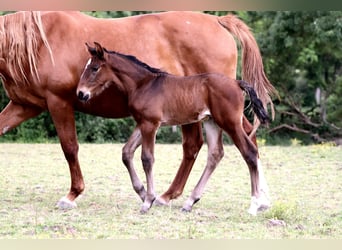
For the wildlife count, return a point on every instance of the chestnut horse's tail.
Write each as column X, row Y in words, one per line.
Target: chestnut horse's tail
column 252, row 66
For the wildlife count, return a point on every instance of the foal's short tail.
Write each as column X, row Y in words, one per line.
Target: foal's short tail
column 257, row 106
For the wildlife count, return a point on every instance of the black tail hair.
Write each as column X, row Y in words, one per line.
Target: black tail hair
column 257, row 106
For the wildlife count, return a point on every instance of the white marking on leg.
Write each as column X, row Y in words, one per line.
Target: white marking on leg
column 253, row 209
column 65, row 203
column 263, row 201
column 5, row 129
column 264, row 190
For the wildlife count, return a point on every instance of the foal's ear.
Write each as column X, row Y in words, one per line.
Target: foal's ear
column 97, row 51
column 91, row 50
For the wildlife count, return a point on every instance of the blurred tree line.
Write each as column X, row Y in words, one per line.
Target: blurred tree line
column 302, row 57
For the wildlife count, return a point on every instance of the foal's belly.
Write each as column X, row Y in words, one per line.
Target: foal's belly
column 182, row 117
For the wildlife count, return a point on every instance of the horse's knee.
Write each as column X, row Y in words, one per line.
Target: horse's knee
column 217, row 154
column 147, row 161
column 126, row 156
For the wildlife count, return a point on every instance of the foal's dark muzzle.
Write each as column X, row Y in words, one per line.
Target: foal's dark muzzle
column 83, row 96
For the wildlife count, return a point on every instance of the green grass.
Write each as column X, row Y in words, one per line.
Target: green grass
column 305, row 187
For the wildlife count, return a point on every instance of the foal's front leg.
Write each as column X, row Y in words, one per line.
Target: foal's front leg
column 148, row 133
column 128, row 150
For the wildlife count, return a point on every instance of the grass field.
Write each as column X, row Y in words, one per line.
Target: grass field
column 305, row 186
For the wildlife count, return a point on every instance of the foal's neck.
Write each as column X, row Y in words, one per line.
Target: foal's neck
column 131, row 75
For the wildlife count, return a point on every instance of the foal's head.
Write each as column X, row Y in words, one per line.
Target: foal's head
column 97, row 74
column 109, row 67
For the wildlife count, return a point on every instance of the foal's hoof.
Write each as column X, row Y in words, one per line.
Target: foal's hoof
column 258, row 205
column 186, row 209
column 189, row 203
column 144, row 208
column 147, row 205
column 66, row 204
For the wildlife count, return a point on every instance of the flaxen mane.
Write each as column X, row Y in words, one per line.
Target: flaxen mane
column 21, row 34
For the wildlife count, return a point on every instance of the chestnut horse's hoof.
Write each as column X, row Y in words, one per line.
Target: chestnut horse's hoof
column 159, row 201
column 66, row 204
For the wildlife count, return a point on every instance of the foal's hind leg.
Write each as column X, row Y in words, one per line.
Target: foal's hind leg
column 128, row 150
column 250, row 154
column 264, row 200
column 215, row 154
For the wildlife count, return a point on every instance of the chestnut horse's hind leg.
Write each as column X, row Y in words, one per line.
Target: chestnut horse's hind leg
column 215, row 154
column 128, row 150
column 62, row 114
column 192, row 143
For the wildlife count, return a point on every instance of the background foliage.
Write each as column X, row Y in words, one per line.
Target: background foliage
column 302, row 57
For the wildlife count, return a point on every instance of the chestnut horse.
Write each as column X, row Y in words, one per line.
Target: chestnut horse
column 39, row 73
column 156, row 98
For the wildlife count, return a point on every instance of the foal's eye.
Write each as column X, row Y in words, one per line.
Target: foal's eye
column 94, row 69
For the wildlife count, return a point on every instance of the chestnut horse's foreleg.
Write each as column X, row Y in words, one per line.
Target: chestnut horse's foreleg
column 128, row 150
column 148, row 133
column 215, row 154
column 62, row 114
column 14, row 114
column 192, row 143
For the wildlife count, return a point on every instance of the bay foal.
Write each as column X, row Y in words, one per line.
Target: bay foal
column 154, row 103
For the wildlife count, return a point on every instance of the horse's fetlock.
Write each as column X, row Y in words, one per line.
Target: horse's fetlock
column 76, row 191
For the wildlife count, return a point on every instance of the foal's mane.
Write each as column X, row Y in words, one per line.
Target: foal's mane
column 136, row 61
column 21, row 35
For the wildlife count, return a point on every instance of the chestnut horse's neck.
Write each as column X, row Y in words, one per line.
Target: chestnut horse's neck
column 131, row 72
